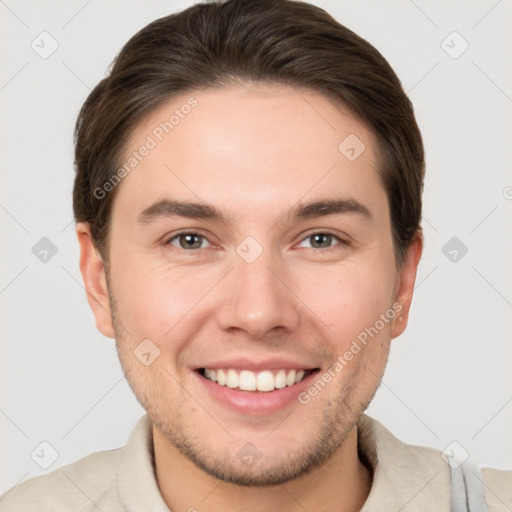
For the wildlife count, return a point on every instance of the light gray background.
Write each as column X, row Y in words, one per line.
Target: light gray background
column 449, row 376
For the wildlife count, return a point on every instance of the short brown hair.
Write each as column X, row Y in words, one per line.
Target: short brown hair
column 218, row 44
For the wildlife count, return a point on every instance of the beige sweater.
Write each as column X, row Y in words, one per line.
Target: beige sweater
column 406, row 478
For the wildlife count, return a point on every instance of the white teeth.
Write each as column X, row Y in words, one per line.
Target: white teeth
column 280, row 379
column 232, row 379
column 265, row 381
column 246, row 380
column 221, row 377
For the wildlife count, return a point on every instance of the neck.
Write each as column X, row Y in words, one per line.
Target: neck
column 342, row 484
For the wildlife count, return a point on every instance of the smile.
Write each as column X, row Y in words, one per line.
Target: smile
column 263, row 381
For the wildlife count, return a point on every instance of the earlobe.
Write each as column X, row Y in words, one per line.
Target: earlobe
column 406, row 284
column 93, row 274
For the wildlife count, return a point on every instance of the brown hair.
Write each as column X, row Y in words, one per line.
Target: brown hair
column 218, row 44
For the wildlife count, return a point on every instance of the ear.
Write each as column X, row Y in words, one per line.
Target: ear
column 93, row 273
column 405, row 286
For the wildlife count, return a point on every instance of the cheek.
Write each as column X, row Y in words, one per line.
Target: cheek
column 348, row 300
column 154, row 300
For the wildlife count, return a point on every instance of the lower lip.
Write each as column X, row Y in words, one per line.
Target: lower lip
column 256, row 403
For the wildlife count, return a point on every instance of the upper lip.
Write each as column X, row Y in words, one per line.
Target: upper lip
column 243, row 363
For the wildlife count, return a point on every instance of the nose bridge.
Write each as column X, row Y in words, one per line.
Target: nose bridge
column 256, row 298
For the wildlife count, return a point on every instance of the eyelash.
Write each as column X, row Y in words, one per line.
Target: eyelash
column 341, row 241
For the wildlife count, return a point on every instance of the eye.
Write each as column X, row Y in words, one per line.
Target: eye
column 187, row 240
column 323, row 240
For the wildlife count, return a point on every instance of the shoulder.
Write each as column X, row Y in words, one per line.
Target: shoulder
column 393, row 453
column 404, row 469
column 76, row 486
column 498, row 489
column 403, row 474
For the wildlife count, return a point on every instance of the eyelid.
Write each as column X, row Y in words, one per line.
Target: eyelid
column 325, row 231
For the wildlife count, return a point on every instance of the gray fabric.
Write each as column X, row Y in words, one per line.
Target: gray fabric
column 467, row 489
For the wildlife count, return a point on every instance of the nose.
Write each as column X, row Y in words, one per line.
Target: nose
column 257, row 298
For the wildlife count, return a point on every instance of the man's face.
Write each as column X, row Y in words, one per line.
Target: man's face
column 261, row 289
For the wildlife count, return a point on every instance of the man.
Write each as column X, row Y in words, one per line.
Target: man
column 248, row 205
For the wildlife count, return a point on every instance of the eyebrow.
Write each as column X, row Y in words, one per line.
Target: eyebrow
column 166, row 208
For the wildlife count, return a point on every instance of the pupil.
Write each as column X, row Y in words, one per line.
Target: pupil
column 190, row 238
column 325, row 236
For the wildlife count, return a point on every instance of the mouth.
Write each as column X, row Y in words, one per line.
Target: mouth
column 264, row 381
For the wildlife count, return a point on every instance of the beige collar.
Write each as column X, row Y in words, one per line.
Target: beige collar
column 405, row 477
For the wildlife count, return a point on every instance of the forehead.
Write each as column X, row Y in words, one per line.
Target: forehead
column 249, row 146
